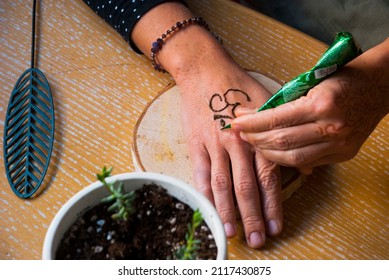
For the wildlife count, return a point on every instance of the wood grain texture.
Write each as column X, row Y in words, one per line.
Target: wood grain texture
column 100, row 88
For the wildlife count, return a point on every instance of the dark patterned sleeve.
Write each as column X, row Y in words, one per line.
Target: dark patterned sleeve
column 123, row 14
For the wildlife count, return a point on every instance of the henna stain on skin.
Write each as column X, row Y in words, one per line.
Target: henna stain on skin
column 363, row 101
column 220, row 104
column 328, row 131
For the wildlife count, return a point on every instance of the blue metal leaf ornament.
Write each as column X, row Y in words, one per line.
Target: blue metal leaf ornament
column 29, row 128
column 28, row 133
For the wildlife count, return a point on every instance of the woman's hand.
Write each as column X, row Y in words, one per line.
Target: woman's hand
column 225, row 168
column 328, row 125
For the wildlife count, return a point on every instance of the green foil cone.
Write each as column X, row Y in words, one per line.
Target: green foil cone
column 342, row 51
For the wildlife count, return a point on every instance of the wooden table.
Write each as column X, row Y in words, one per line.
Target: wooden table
column 100, row 89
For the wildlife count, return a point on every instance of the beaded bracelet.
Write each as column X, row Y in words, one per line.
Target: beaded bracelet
column 157, row 45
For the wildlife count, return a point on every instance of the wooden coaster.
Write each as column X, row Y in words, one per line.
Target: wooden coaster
column 159, row 145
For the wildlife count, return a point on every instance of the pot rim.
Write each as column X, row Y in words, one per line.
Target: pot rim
column 176, row 187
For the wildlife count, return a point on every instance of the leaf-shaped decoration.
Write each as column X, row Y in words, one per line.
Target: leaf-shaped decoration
column 28, row 133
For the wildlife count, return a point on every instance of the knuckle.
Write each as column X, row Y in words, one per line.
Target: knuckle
column 252, row 127
column 244, row 188
column 269, row 181
column 202, row 188
column 193, row 136
column 224, row 211
column 251, row 220
column 341, row 124
column 296, row 158
column 320, row 108
column 274, row 120
column 338, row 128
column 220, row 182
column 283, row 142
column 325, row 107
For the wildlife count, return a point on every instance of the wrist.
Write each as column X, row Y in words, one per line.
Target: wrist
column 373, row 66
column 191, row 51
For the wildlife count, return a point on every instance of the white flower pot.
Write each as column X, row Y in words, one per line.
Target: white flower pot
column 92, row 195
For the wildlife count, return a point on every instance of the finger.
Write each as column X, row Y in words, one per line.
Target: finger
column 303, row 156
column 289, row 114
column 247, row 195
column 269, row 180
column 222, row 189
column 201, row 170
column 240, row 111
column 289, row 138
column 328, row 159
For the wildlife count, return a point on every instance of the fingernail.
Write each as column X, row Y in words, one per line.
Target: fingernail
column 236, row 127
column 273, row 227
column 256, row 240
column 230, row 229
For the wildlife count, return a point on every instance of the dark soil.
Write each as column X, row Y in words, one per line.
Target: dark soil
column 154, row 231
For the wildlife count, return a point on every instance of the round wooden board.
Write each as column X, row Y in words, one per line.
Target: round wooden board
column 159, row 145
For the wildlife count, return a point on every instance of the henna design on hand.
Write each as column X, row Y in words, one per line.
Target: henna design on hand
column 328, row 131
column 220, row 103
column 363, row 102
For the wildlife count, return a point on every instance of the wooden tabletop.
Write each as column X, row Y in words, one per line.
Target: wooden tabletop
column 100, row 88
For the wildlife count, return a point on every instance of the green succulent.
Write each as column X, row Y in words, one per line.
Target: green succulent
column 121, row 201
column 188, row 250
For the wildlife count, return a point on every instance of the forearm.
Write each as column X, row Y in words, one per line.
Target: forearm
column 191, row 54
column 187, row 52
column 123, row 15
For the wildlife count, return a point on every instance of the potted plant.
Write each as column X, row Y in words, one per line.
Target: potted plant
column 137, row 215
